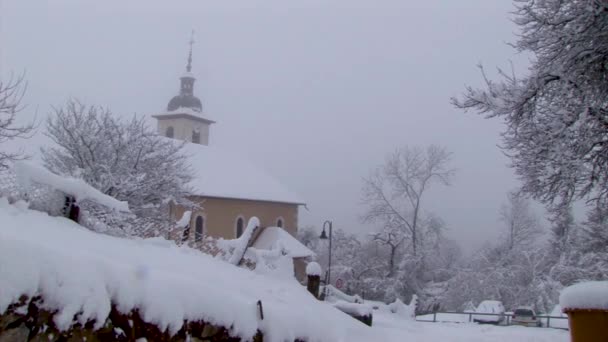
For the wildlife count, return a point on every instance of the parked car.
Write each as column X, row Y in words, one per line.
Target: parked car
column 525, row 315
column 493, row 307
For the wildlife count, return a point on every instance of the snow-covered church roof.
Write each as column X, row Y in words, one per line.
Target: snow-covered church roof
column 224, row 174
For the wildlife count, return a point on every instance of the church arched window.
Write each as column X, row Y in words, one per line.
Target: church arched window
column 169, row 132
column 199, row 228
column 196, row 136
column 280, row 222
column 240, row 225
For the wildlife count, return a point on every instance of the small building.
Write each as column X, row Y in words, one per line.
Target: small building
column 229, row 189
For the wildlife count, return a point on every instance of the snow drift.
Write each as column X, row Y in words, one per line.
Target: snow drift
column 81, row 274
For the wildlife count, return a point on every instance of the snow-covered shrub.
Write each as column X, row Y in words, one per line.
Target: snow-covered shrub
column 404, row 311
column 124, row 159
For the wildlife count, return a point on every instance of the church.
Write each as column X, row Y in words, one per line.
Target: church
column 228, row 188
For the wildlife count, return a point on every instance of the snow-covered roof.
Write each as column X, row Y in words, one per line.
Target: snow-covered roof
column 222, row 173
column 277, row 238
column 81, row 274
column 187, row 74
column 585, row 295
column 184, row 111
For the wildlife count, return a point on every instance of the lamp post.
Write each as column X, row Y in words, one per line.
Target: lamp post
column 324, row 237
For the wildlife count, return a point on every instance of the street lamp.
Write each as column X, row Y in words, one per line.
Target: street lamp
column 324, row 237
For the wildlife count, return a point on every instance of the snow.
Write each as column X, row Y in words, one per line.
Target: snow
column 187, row 74
column 277, row 238
column 240, row 245
column 167, row 283
column 557, row 322
column 402, row 310
column 28, row 172
column 313, row 269
column 585, row 295
column 221, row 173
column 77, row 271
column 489, row 307
column 187, row 111
column 334, row 295
column 185, row 220
column 445, row 317
column 353, row 308
column 390, row 327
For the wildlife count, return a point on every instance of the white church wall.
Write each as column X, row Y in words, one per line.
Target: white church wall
column 182, row 129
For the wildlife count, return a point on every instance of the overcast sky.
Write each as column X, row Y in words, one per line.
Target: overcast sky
column 317, row 92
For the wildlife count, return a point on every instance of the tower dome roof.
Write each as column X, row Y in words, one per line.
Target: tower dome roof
column 185, row 101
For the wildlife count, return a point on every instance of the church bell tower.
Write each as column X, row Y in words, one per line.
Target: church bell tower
column 184, row 118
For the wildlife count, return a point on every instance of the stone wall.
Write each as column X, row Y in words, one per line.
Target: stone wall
column 27, row 321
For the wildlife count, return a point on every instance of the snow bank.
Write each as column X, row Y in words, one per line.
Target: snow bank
column 586, row 295
column 82, row 273
column 28, row 173
column 313, row 269
column 353, row 308
column 404, row 311
column 333, row 294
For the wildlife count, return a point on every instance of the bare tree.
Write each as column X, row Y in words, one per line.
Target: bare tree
column 392, row 238
column 11, row 96
column 522, row 226
column 394, row 192
column 557, row 115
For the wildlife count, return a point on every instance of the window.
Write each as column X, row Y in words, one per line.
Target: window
column 239, row 227
column 198, row 231
column 196, row 136
column 169, row 132
column 280, row 222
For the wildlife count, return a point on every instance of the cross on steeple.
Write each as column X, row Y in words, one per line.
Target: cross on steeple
column 189, row 66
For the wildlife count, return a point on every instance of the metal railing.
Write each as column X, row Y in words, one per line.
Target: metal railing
column 503, row 319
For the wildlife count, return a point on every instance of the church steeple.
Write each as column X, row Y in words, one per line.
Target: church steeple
column 184, row 119
column 186, row 98
column 187, row 79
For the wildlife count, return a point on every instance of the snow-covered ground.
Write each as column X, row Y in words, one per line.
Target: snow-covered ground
column 81, row 272
column 78, row 271
column 389, row 328
column 464, row 318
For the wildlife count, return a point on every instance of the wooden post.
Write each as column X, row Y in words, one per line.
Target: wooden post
column 313, row 284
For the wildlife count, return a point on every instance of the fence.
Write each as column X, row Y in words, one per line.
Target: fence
column 559, row 322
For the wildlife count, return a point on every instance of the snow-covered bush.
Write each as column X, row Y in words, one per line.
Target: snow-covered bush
column 123, row 159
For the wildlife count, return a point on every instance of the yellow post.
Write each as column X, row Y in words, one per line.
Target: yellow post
column 588, row 325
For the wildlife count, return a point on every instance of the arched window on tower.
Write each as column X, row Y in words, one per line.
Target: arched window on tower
column 198, row 231
column 196, row 136
column 169, row 132
column 240, row 223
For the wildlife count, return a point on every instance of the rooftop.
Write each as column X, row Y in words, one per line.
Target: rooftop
column 221, row 173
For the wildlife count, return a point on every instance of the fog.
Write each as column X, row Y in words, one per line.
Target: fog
column 316, row 92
